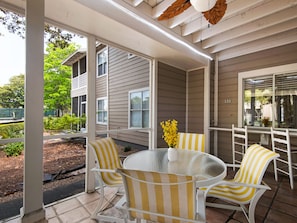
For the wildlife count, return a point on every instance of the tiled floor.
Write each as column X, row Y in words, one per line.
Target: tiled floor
column 277, row 205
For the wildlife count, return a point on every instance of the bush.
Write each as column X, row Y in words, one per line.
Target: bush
column 127, row 149
column 13, row 130
column 14, row 149
column 66, row 122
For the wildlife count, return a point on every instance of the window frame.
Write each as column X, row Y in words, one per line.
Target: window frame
column 277, row 70
column 97, row 110
column 97, row 65
column 129, row 107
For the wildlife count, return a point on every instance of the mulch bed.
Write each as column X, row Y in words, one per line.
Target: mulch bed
column 60, row 158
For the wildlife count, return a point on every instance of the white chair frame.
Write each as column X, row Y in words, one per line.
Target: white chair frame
column 255, row 152
column 281, row 143
column 239, row 144
column 97, row 213
column 199, row 218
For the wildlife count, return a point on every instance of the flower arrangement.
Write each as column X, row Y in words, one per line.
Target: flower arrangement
column 170, row 132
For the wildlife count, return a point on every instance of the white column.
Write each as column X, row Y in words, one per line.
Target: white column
column 91, row 112
column 33, row 210
column 153, row 104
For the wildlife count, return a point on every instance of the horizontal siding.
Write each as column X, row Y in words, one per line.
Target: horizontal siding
column 171, row 98
column 196, row 101
column 101, row 87
column 125, row 75
column 228, row 86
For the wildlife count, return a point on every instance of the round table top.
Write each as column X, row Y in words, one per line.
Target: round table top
column 206, row 168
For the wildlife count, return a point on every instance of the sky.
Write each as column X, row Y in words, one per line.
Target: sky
column 12, row 54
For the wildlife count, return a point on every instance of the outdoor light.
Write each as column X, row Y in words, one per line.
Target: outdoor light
column 203, row 5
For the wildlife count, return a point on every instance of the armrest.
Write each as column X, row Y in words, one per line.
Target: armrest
column 263, row 186
column 103, row 170
column 232, row 165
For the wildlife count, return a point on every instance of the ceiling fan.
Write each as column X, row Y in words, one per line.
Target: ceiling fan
column 212, row 10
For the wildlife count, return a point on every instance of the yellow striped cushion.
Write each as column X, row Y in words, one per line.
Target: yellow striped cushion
column 158, row 197
column 252, row 169
column 108, row 158
column 190, row 141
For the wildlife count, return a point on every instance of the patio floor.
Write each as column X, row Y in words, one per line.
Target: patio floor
column 277, row 205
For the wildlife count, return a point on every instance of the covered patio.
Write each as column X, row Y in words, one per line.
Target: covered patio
column 277, row 205
column 251, row 36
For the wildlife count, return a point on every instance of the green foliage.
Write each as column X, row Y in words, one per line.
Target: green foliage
column 66, row 122
column 13, row 130
column 127, row 149
column 12, row 94
column 57, row 78
column 15, row 23
column 14, row 149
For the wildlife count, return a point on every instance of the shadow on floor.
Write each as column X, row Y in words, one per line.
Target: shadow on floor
column 12, row 208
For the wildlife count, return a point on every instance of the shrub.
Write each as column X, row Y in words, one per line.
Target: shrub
column 13, row 130
column 14, row 149
column 127, row 149
column 66, row 122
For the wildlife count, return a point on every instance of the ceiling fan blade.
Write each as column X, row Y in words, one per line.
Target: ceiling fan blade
column 214, row 15
column 175, row 9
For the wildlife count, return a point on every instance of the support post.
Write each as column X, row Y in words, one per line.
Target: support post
column 33, row 209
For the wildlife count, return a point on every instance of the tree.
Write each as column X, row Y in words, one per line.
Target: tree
column 15, row 23
column 57, row 78
column 12, row 94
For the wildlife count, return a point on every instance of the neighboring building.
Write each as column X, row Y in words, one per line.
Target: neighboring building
column 122, row 101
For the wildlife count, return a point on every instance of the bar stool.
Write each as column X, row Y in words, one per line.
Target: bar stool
column 281, row 144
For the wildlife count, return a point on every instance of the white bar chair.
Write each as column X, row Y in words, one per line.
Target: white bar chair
column 239, row 144
column 281, row 144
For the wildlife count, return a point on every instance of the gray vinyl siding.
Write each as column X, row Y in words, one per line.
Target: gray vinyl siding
column 171, row 98
column 125, row 75
column 228, row 86
column 196, row 101
column 101, row 86
column 101, row 92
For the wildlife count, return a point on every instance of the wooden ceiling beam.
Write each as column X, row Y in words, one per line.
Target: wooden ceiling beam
column 259, row 45
column 271, row 20
column 239, row 20
column 260, row 34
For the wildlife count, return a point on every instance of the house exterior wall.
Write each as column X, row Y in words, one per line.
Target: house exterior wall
column 171, row 98
column 101, row 92
column 124, row 75
column 228, row 87
column 196, row 101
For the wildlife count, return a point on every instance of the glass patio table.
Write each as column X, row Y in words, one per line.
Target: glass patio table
column 206, row 168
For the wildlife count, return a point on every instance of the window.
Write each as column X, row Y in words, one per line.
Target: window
column 102, row 63
column 83, row 65
column 102, row 111
column 270, row 99
column 75, row 69
column 139, row 108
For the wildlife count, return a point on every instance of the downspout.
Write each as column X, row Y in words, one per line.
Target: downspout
column 206, row 115
column 216, row 104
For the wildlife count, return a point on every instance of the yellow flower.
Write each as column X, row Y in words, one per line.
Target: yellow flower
column 170, row 132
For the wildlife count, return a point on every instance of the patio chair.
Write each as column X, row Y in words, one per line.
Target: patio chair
column 160, row 197
column 190, row 141
column 246, row 188
column 280, row 141
column 107, row 161
column 239, row 144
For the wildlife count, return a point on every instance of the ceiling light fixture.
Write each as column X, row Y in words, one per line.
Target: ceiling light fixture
column 203, row 5
column 170, row 36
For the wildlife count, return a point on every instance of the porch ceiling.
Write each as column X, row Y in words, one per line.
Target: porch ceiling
column 247, row 27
